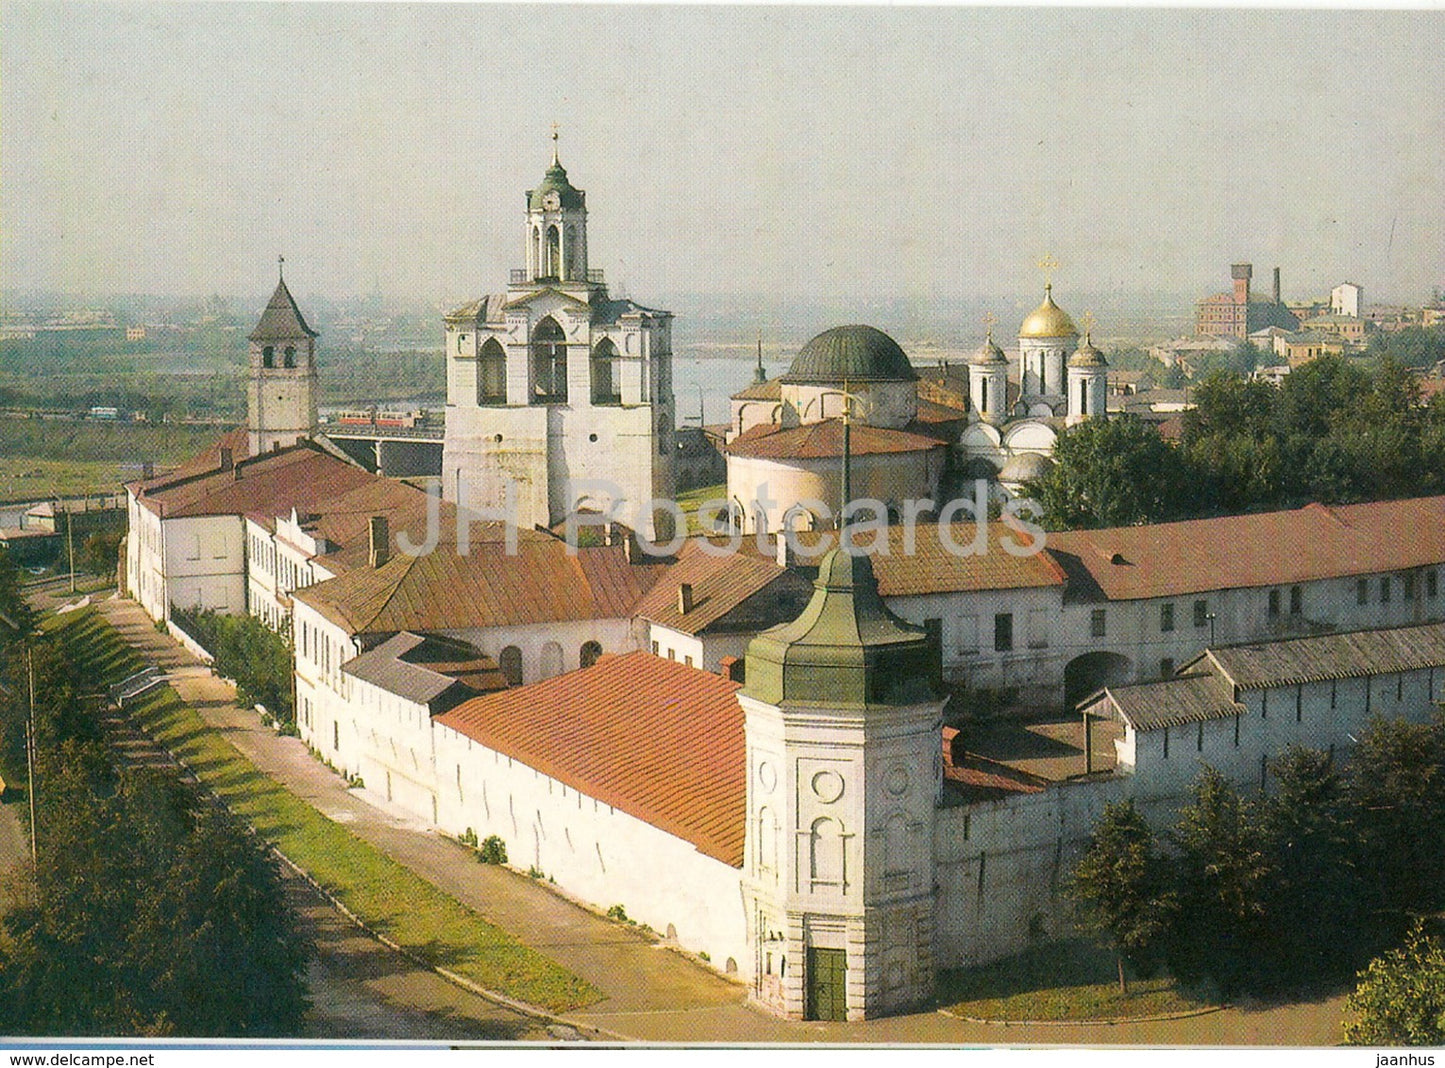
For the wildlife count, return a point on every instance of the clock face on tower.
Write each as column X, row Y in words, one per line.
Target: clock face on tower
column 551, row 201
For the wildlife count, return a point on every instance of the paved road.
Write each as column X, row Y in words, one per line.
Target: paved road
column 650, row 992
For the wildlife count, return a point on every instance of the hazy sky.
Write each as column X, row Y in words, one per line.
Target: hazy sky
column 177, row 148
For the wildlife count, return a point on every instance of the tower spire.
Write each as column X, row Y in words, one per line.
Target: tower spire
column 280, row 268
column 845, row 491
column 555, row 161
column 759, row 375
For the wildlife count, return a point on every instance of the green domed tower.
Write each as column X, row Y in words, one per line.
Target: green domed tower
column 843, row 714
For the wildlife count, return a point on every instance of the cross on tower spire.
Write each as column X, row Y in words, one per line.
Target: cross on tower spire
column 988, row 320
column 281, row 268
column 555, row 128
column 1048, row 265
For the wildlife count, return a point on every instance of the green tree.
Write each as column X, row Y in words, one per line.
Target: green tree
column 1397, row 781
column 1114, row 472
column 1224, row 873
column 100, row 552
column 1122, row 886
column 1400, row 1000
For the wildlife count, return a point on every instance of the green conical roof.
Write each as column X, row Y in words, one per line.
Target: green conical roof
column 846, row 650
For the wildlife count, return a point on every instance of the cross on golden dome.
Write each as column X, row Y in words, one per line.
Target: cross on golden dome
column 989, row 318
column 1089, row 322
column 1048, row 265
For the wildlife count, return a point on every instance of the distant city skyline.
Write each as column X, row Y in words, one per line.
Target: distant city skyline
column 863, row 154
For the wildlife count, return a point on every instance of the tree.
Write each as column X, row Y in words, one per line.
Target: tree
column 1224, row 872
column 100, row 553
column 1317, row 922
column 1122, row 886
column 1113, row 472
column 1400, row 1000
column 1397, row 781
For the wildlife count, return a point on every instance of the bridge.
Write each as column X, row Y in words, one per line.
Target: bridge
column 394, row 451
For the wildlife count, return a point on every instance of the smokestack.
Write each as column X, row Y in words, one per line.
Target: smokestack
column 380, row 547
column 1276, row 285
column 684, row 598
column 228, row 458
column 732, row 667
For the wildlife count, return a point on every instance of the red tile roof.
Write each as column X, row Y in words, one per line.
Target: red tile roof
column 816, row 441
column 657, row 739
column 1239, row 552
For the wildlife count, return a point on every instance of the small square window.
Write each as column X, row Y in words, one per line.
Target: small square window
column 1274, row 602
column 1201, row 613
column 1098, row 621
column 1166, row 617
column 1166, row 667
column 1296, row 601
column 1409, row 579
column 1362, row 592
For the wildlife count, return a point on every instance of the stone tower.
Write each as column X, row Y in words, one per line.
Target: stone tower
column 559, row 398
column 1088, row 384
column 842, row 715
column 281, row 391
column 988, row 382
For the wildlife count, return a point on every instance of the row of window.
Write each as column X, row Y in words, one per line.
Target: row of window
column 549, row 368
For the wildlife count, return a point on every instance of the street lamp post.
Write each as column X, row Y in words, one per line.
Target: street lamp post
column 1210, row 617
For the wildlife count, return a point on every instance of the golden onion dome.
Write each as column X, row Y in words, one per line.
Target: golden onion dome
column 1048, row 319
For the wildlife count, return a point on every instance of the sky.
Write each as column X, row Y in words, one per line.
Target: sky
column 862, row 152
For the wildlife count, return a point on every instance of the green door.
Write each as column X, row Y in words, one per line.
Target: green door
column 827, row 970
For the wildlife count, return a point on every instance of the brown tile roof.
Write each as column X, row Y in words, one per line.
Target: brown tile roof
column 657, row 739
column 440, row 591
column 337, row 500
column 1239, row 552
column 238, row 441
column 1356, row 654
column 933, row 412
column 739, row 592
column 770, row 390
column 933, row 568
column 1152, row 706
column 821, row 440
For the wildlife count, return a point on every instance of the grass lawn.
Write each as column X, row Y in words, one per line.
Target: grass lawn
column 34, row 478
column 692, row 499
column 389, row 897
column 1072, row 980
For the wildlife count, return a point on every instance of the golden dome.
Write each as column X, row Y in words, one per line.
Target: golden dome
column 1048, row 319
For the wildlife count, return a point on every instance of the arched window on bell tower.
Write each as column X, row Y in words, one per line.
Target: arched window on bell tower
column 549, row 363
column 492, row 373
column 606, row 373
column 553, row 268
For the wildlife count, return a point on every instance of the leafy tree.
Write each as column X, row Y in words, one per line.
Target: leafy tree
column 1310, row 834
column 1401, row 997
column 1122, row 886
column 12, row 602
column 257, row 657
column 1224, row 873
column 100, row 553
column 1397, row 780
column 1114, row 472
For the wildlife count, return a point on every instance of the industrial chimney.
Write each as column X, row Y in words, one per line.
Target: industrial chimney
column 684, row 598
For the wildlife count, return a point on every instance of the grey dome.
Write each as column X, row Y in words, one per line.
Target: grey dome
column 1025, row 466
column 853, row 353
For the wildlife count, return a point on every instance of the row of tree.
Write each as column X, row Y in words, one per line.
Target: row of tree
column 1334, row 431
column 1281, row 891
column 258, row 658
column 151, row 911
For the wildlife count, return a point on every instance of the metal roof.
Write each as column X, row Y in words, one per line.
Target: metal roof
column 425, row 668
column 1356, row 654
column 739, row 592
column 281, row 320
column 1151, row 706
